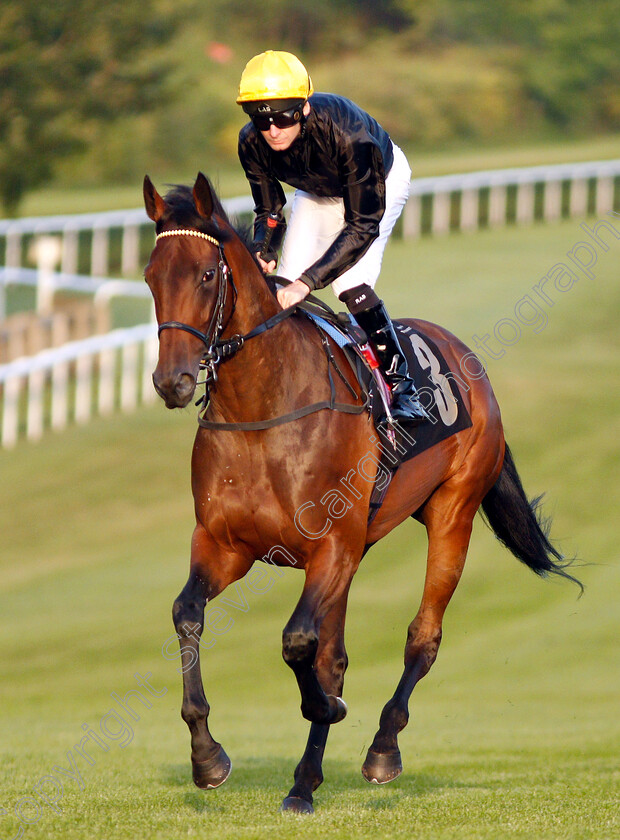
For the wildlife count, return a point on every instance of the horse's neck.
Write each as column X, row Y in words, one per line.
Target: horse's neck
column 255, row 302
column 268, row 366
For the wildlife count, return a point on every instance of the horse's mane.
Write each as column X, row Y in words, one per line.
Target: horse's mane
column 181, row 210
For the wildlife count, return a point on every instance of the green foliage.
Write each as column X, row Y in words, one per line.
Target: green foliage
column 67, row 66
column 101, row 93
column 566, row 52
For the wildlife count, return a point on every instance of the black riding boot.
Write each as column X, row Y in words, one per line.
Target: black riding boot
column 406, row 406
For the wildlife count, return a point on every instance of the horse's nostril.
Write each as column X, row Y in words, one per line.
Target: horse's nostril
column 175, row 390
column 185, row 385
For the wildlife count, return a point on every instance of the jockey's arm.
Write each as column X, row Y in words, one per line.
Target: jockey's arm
column 363, row 184
column 268, row 198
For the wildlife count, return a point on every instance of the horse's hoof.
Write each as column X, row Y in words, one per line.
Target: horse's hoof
column 381, row 768
column 338, row 708
column 296, row 805
column 213, row 772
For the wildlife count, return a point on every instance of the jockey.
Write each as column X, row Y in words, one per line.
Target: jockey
column 351, row 185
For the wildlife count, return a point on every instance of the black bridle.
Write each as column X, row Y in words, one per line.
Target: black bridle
column 218, row 349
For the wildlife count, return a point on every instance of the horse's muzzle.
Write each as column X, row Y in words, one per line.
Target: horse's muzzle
column 176, row 389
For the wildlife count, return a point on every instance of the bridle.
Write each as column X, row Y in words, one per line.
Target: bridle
column 217, row 349
column 215, row 326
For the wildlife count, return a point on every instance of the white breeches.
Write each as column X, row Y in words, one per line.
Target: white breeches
column 316, row 222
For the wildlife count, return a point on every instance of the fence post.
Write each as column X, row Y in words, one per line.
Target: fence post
column 525, row 203
column 131, row 250
column 34, row 418
column 604, row 194
column 12, row 259
column 83, row 388
column 149, row 363
column 99, row 256
column 129, row 377
column 441, row 213
column 469, row 210
column 497, row 205
column 552, row 201
column 70, row 245
column 10, row 411
column 107, row 370
column 60, row 375
column 47, row 250
column 578, row 197
column 412, row 217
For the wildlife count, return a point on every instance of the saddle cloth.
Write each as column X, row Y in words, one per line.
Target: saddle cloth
column 439, row 388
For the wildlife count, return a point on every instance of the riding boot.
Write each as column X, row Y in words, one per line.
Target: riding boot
column 406, row 406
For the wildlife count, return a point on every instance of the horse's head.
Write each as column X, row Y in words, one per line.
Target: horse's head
column 187, row 277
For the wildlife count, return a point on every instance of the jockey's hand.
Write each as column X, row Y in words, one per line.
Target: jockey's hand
column 290, row 295
column 267, row 267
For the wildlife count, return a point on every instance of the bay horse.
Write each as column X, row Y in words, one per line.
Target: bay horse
column 250, row 482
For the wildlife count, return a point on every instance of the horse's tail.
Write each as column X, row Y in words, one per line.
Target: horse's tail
column 518, row 524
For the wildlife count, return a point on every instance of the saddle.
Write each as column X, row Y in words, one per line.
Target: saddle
column 439, row 389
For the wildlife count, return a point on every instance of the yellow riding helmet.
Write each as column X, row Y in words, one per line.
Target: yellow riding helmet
column 274, row 75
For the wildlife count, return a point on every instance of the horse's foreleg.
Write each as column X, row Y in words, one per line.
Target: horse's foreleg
column 449, row 530
column 330, row 666
column 328, row 577
column 210, row 764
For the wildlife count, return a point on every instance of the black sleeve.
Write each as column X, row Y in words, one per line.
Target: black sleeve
column 363, row 189
column 267, row 193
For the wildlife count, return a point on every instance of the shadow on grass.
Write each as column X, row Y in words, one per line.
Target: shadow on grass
column 347, row 784
column 265, row 779
column 253, row 778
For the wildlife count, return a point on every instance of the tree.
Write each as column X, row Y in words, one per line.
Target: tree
column 65, row 66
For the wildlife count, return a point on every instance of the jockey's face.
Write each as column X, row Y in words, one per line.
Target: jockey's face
column 280, row 139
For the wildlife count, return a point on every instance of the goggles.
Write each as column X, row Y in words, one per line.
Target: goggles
column 281, row 119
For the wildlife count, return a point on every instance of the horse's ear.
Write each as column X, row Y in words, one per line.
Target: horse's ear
column 153, row 202
column 203, row 196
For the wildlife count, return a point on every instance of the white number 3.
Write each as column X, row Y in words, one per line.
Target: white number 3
column 444, row 398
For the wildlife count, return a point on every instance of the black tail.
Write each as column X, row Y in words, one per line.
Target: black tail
column 518, row 524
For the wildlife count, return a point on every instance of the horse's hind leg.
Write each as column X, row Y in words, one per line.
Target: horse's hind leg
column 209, row 575
column 330, row 666
column 448, row 521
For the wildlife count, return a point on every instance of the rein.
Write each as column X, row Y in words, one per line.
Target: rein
column 219, row 350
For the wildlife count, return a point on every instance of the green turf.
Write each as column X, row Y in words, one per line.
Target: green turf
column 514, row 733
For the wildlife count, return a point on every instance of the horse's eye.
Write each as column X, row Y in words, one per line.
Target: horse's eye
column 208, row 275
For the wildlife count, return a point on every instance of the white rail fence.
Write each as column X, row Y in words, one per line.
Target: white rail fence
column 522, row 195
column 76, row 382
column 437, row 205
column 98, row 375
column 48, row 283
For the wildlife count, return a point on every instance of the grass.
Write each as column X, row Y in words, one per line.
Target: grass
column 513, row 734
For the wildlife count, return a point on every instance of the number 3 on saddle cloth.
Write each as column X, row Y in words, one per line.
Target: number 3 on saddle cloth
column 438, row 389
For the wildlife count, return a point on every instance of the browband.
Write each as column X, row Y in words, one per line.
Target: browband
column 198, row 233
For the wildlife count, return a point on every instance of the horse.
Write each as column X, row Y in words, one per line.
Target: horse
column 256, row 484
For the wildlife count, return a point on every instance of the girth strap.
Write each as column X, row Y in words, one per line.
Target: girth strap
column 289, row 417
column 259, row 425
